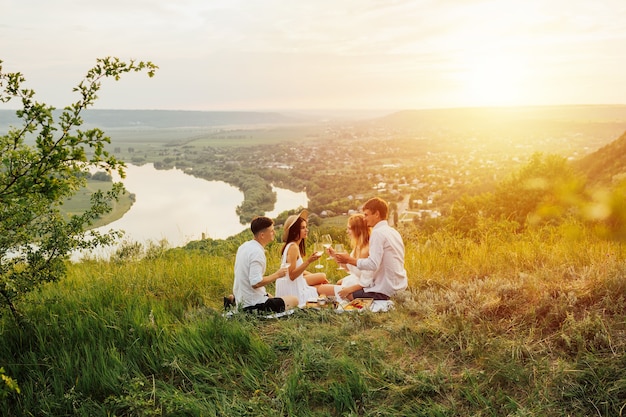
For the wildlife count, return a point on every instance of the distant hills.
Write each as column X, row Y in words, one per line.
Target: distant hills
column 170, row 118
column 494, row 116
column 602, row 165
column 461, row 117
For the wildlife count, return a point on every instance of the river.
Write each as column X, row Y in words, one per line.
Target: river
column 173, row 206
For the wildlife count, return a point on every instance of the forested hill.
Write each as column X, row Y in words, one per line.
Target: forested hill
column 169, row 118
column 607, row 163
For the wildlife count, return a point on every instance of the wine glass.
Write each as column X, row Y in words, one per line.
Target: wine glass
column 318, row 248
column 327, row 241
column 339, row 249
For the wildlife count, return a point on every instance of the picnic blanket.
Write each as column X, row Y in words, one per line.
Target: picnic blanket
column 375, row 306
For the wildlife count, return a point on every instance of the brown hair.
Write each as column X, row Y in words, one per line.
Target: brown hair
column 377, row 204
column 294, row 234
column 259, row 223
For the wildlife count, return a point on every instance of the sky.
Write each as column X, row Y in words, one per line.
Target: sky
column 267, row 55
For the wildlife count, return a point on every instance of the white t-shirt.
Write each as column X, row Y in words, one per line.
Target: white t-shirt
column 250, row 264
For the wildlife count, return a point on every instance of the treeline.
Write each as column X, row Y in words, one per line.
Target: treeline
column 99, row 176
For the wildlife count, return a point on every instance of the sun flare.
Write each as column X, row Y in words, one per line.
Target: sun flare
column 494, row 80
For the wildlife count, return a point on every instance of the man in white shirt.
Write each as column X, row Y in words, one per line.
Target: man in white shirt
column 386, row 255
column 249, row 285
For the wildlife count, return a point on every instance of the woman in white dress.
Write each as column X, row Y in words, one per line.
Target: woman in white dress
column 359, row 234
column 298, row 281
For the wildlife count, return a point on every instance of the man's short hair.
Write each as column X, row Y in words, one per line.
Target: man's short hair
column 377, row 204
column 259, row 223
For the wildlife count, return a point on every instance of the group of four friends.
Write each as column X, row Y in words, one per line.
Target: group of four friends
column 375, row 264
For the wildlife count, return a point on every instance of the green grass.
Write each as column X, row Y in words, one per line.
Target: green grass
column 529, row 325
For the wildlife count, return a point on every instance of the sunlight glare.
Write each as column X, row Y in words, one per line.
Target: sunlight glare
column 493, row 79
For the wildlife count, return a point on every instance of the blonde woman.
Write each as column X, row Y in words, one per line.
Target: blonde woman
column 359, row 233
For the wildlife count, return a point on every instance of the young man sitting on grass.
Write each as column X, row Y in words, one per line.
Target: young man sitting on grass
column 386, row 255
column 250, row 263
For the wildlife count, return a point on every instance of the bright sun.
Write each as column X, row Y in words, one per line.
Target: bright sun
column 493, row 80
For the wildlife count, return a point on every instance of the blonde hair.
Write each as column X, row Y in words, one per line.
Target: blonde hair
column 360, row 237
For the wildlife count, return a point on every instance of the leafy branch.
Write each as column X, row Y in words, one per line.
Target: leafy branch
column 35, row 239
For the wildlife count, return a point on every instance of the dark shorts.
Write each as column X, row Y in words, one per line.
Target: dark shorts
column 374, row 295
column 276, row 305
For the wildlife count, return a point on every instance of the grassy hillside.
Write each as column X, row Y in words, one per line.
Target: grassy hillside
column 607, row 165
column 520, row 325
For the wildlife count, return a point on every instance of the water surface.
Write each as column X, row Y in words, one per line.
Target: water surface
column 179, row 208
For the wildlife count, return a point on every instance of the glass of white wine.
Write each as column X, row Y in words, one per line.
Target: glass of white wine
column 339, row 249
column 318, row 249
column 327, row 242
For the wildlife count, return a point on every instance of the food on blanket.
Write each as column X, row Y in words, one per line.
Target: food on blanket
column 311, row 302
column 359, row 304
column 321, row 301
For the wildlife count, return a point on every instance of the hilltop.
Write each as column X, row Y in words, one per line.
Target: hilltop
column 607, row 164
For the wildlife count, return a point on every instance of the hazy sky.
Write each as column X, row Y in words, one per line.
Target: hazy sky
column 322, row 54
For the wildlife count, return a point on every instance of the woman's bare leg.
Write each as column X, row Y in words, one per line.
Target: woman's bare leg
column 316, row 278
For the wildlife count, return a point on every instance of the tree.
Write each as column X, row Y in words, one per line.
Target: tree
column 541, row 191
column 43, row 162
column 546, row 190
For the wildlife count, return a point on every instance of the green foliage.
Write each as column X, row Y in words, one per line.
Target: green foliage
column 102, row 176
column 8, row 385
column 545, row 191
column 538, row 192
column 605, row 211
column 35, row 180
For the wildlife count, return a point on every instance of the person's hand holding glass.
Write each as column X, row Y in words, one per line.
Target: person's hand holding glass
column 318, row 250
column 285, row 266
column 341, row 257
column 283, row 270
column 327, row 242
column 339, row 249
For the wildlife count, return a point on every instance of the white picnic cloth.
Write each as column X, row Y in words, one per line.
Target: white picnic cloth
column 378, row 306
